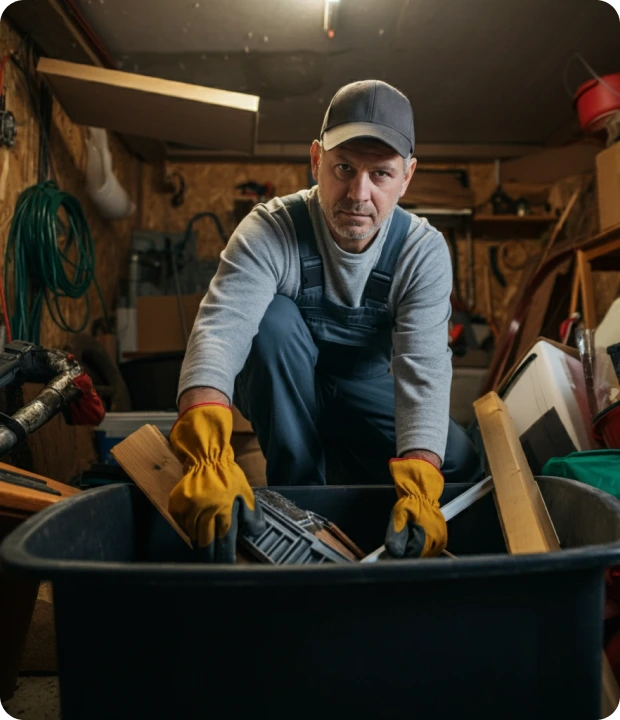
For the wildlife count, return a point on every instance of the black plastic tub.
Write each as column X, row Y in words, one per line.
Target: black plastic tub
column 144, row 631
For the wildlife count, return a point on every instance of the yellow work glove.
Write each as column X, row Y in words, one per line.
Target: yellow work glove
column 417, row 527
column 213, row 500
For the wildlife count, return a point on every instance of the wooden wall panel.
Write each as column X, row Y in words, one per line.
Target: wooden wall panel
column 210, row 187
column 58, row 450
column 111, row 238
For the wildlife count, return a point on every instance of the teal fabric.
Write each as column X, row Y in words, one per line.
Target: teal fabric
column 598, row 468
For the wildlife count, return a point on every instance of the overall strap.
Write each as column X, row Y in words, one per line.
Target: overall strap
column 311, row 262
column 380, row 278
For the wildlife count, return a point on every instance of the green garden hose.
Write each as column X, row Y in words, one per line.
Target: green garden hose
column 50, row 258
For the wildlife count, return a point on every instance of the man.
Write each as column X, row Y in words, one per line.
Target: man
column 327, row 322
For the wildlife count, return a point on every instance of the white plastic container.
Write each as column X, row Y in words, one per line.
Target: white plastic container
column 116, row 426
column 547, row 387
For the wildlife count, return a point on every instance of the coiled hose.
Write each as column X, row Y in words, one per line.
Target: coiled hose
column 42, row 269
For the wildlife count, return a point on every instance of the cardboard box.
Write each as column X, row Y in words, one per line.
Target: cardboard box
column 159, row 324
column 608, row 182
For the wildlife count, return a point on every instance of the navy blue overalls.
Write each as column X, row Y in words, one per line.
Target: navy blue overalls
column 316, row 383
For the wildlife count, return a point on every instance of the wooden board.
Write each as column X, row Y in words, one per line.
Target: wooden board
column 437, row 189
column 552, row 164
column 152, row 107
column 20, row 502
column 524, row 518
column 147, row 458
column 523, row 515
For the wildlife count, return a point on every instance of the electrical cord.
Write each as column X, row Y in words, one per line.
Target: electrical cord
column 42, row 270
column 33, row 93
column 190, row 225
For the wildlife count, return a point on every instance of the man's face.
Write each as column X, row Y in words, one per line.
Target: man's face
column 360, row 183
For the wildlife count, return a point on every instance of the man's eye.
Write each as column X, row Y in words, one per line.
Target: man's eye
column 382, row 174
column 344, row 167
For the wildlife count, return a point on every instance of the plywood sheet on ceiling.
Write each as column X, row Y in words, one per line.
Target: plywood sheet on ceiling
column 152, row 107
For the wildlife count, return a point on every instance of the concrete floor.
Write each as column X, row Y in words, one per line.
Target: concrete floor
column 36, row 698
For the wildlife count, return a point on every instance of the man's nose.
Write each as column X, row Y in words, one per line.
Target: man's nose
column 359, row 187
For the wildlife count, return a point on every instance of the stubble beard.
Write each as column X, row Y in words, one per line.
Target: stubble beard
column 350, row 230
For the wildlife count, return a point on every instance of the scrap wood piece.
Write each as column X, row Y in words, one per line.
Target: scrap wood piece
column 144, row 106
column 523, row 514
column 146, row 456
column 21, row 502
column 560, row 225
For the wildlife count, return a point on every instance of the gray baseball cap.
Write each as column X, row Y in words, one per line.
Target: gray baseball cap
column 369, row 109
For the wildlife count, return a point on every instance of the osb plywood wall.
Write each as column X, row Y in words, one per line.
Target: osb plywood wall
column 210, row 187
column 58, row 450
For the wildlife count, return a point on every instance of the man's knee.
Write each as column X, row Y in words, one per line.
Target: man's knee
column 282, row 327
column 462, row 463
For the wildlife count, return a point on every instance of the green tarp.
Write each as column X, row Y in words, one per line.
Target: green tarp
column 599, row 468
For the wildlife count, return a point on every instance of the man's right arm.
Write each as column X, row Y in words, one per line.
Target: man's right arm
column 254, row 266
column 200, row 395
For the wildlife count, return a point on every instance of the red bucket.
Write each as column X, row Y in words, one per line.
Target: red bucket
column 595, row 102
column 606, row 426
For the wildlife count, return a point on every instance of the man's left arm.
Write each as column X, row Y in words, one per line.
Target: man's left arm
column 422, row 375
column 421, row 362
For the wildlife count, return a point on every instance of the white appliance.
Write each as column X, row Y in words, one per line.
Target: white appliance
column 546, row 398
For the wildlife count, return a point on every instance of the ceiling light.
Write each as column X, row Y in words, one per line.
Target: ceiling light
column 330, row 15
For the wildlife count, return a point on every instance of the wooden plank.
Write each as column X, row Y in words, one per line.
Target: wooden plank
column 602, row 238
column 588, row 307
column 560, row 224
column 552, row 164
column 575, row 291
column 607, row 248
column 441, row 189
column 524, row 517
column 152, row 107
column 20, row 502
column 146, row 456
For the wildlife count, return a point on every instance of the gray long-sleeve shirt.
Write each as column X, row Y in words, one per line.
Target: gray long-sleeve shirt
column 261, row 259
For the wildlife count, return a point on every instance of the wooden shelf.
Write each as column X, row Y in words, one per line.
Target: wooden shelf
column 601, row 252
column 543, row 219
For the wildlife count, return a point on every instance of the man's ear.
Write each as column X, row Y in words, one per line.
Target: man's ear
column 315, row 159
column 408, row 176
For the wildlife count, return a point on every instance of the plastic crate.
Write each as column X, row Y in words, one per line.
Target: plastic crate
column 145, row 630
column 116, row 426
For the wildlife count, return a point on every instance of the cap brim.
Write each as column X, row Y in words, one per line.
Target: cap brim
column 355, row 131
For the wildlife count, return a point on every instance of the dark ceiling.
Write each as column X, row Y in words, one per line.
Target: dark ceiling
column 476, row 71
